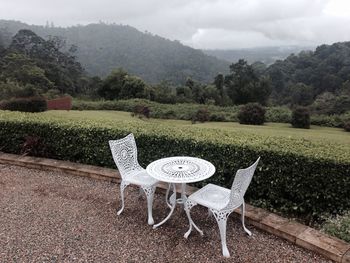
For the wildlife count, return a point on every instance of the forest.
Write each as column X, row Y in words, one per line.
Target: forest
column 103, row 47
column 31, row 65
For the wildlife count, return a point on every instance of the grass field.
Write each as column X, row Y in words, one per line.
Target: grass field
column 315, row 134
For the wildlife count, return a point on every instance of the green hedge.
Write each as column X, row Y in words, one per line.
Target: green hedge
column 295, row 177
column 185, row 111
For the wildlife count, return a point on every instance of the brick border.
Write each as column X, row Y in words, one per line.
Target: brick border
column 301, row 235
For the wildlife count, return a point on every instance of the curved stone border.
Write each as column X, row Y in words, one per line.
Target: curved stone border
column 299, row 234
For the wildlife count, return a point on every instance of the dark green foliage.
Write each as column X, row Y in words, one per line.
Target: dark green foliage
column 12, row 89
column 301, row 118
column 278, row 114
column 252, row 113
column 201, row 115
column 141, row 111
column 120, row 85
column 32, row 104
column 338, row 226
column 34, row 146
column 103, row 47
column 31, row 60
column 300, row 94
column 289, row 179
column 244, row 85
column 325, row 70
column 347, row 126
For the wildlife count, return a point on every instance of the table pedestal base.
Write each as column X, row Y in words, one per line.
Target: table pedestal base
column 173, row 201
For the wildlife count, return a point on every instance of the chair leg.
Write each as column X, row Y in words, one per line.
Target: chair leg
column 242, row 214
column 123, row 185
column 188, row 205
column 149, row 191
column 221, row 219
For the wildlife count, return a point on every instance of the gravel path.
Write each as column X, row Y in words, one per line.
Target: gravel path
column 55, row 217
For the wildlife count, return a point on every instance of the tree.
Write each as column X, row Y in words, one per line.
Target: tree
column 133, row 87
column 243, row 85
column 301, row 94
column 113, row 84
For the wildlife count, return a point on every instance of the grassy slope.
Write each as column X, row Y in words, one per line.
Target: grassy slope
column 315, row 134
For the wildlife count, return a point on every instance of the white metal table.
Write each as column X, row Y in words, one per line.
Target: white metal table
column 179, row 170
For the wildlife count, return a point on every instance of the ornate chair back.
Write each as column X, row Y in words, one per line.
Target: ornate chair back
column 124, row 152
column 240, row 184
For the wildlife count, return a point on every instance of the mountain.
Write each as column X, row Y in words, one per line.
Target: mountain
column 267, row 55
column 103, row 47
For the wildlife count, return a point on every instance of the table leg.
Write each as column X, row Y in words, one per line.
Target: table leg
column 173, row 204
column 183, row 193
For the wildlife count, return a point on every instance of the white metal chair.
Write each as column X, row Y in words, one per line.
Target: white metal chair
column 221, row 202
column 124, row 153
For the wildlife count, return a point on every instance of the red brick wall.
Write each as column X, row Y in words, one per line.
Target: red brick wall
column 63, row 103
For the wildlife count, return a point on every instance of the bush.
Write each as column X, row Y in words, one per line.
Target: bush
column 301, row 118
column 278, row 114
column 347, row 126
column 338, row 226
column 252, row 113
column 33, row 104
column 202, row 115
column 141, row 111
column 295, row 177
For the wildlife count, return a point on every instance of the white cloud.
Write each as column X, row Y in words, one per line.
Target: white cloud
column 202, row 23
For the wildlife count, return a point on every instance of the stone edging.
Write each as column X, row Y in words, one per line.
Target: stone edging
column 299, row 234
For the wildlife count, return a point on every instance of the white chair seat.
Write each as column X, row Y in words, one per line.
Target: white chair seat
column 221, row 202
column 141, row 178
column 212, row 196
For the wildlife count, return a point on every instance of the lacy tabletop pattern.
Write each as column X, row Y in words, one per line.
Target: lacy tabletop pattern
column 181, row 169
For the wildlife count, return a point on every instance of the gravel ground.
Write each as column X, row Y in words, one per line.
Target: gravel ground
column 55, row 217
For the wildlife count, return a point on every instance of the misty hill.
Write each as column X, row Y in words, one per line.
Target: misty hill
column 267, row 55
column 103, row 47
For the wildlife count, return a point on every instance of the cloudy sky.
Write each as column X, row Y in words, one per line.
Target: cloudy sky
column 220, row 24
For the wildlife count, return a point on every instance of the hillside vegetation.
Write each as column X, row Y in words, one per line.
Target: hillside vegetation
column 103, row 47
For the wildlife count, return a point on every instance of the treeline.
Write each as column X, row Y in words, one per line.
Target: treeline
column 31, row 65
column 319, row 79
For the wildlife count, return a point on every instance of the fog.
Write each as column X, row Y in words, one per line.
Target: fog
column 219, row 24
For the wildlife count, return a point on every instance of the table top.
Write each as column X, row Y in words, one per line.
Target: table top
column 180, row 169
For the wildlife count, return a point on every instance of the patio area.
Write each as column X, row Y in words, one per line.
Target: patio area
column 56, row 217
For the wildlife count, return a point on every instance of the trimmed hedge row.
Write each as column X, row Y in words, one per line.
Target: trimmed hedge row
column 295, row 177
column 31, row 104
column 185, row 111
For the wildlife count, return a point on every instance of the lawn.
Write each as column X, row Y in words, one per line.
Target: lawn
column 315, row 134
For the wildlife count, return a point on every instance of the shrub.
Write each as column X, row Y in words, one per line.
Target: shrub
column 141, row 111
column 301, row 118
column 338, row 226
column 201, row 115
column 295, row 177
column 217, row 117
column 252, row 113
column 278, row 114
column 347, row 126
column 33, row 104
